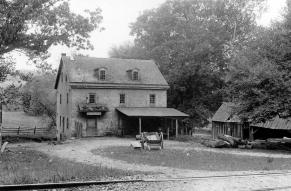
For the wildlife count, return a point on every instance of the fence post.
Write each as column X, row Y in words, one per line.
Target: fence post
column 18, row 130
column 34, row 130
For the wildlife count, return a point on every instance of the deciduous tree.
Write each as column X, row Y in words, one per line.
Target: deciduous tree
column 34, row 25
column 190, row 41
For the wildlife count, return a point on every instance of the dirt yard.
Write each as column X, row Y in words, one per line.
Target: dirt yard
column 86, row 151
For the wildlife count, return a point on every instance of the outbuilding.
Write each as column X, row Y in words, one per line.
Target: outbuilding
column 226, row 121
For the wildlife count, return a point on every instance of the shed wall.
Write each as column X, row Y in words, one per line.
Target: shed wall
column 227, row 128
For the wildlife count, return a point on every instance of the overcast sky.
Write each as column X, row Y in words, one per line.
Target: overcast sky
column 117, row 16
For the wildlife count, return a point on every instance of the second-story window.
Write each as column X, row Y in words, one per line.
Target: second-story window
column 135, row 75
column 60, row 98
column 102, row 75
column 67, row 98
column 92, row 98
column 122, row 98
column 152, row 98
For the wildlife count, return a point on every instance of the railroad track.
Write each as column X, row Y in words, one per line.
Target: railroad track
column 88, row 183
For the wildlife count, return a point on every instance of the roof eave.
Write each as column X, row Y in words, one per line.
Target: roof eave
column 85, row 85
column 59, row 73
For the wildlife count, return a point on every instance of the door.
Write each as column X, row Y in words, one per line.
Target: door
column 91, row 127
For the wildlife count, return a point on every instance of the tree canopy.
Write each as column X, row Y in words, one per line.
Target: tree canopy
column 33, row 26
column 37, row 24
column 191, row 40
column 259, row 79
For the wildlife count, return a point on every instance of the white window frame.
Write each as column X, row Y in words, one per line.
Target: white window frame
column 124, row 98
column 152, row 99
column 89, row 96
column 101, row 76
column 133, row 76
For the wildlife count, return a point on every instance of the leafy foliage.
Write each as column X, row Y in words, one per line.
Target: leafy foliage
column 32, row 26
column 37, row 24
column 39, row 96
column 128, row 51
column 259, row 77
column 190, row 40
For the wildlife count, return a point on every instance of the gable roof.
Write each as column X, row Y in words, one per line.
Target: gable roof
column 226, row 113
column 81, row 70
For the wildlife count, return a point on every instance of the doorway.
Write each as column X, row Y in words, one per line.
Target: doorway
column 91, row 129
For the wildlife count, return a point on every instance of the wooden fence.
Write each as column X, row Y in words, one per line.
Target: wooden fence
column 28, row 131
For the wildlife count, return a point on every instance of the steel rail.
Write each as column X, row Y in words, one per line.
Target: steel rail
column 88, row 183
column 273, row 188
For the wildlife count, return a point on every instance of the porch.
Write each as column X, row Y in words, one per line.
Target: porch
column 133, row 120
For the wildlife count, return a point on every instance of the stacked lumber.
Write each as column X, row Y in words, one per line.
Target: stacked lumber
column 216, row 143
column 273, row 144
column 226, row 141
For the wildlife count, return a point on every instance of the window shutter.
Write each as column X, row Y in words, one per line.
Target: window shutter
column 129, row 74
column 96, row 73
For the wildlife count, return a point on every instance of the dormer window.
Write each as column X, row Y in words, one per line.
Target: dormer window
column 135, row 75
column 102, row 74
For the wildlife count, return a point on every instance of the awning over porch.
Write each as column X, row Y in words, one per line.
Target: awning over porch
column 151, row 112
column 92, row 108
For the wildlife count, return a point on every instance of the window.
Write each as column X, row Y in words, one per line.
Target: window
column 60, row 98
column 63, row 124
column 152, row 98
column 102, row 74
column 67, row 98
column 66, row 78
column 67, row 123
column 122, row 98
column 60, row 121
column 92, row 98
column 135, row 75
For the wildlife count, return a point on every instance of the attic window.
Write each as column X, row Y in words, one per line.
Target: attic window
column 102, row 74
column 135, row 75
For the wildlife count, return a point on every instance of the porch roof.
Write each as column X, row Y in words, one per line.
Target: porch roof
column 92, row 107
column 151, row 112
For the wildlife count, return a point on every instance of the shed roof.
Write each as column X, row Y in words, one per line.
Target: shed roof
column 81, row 69
column 151, row 112
column 226, row 113
column 276, row 123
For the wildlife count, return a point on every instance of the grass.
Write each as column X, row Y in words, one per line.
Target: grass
column 20, row 166
column 195, row 160
column 192, row 139
column 17, row 118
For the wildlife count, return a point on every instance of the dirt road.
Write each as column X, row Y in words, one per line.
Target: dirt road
column 80, row 151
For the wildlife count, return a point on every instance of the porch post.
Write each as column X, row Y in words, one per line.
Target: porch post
column 139, row 122
column 176, row 128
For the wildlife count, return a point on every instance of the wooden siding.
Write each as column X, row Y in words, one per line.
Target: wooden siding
column 227, row 128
